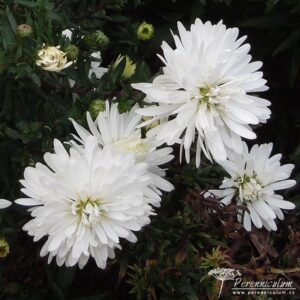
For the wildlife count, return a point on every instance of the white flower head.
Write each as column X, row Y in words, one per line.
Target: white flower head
column 253, row 179
column 52, row 59
column 204, row 90
column 85, row 201
column 4, row 203
column 119, row 130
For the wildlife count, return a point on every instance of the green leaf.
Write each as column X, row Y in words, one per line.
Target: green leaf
column 30, row 4
column 19, row 53
column 36, row 80
column 267, row 22
column 271, row 4
column 295, row 66
column 119, row 19
column 142, row 73
column 11, row 19
column 65, row 277
column 3, row 58
column 7, row 34
column 54, row 287
column 54, row 16
column 12, row 133
column 116, row 72
column 290, row 41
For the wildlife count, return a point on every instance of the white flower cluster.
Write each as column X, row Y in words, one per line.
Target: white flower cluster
column 207, row 93
column 105, row 187
column 102, row 190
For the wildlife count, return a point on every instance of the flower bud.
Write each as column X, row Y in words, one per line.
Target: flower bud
column 96, row 107
column 96, row 40
column 52, row 59
column 145, row 31
column 24, row 30
column 4, row 248
column 129, row 69
column 72, row 52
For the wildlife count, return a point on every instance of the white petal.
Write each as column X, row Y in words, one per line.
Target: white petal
column 254, row 216
column 281, row 185
column 280, row 203
column 247, row 221
column 4, row 203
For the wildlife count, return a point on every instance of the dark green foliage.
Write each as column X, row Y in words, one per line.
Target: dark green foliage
column 174, row 253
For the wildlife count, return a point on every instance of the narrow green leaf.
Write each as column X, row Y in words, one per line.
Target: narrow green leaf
column 271, row 4
column 27, row 3
column 295, row 66
column 65, row 277
column 54, row 287
column 116, row 72
column 12, row 133
column 36, row 80
column 7, row 33
column 11, row 19
column 290, row 41
column 266, row 22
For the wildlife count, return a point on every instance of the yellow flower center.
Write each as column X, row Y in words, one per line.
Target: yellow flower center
column 249, row 188
column 88, row 211
column 205, row 93
column 137, row 146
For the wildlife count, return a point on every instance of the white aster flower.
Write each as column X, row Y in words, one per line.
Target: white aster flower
column 254, row 178
column 119, row 130
column 85, row 201
column 205, row 89
column 52, row 59
column 4, row 203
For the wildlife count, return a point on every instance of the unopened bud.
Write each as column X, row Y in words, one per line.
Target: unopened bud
column 4, row 248
column 145, row 31
column 96, row 40
column 24, row 30
column 72, row 52
column 96, row 107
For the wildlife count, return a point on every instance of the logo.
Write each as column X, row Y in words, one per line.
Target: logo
column 224, row 274
column 260, row 287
